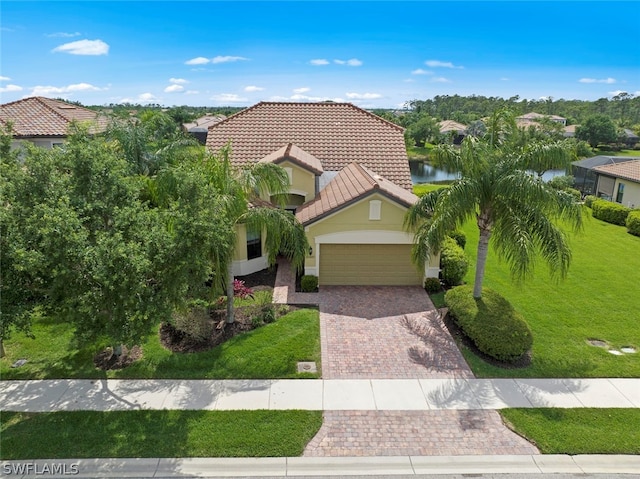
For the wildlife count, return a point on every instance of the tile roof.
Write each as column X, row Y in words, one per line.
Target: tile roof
column 335, row 133
column 450, row 125
column 537, row 116
column 39, row 116
column 600, row 160
column 628, row 170
column 296, row 155
column 203, row 122
column 352, row 183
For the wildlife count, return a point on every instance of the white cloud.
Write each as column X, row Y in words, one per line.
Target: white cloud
column 4, row 78
column 227, row 59
column 197, row 61
column 439, row 64
column 174, row 88
column 440, row 80
column 229, row 98
column 63, row 35
column 303, row 89
column 147, row 97
column 9, row 88
column 617, row 92
column 319, row 61
column 364, row 96
column 608, row 81
column 42, row 90
column 353, row 62
column 305, row 98
column 84, row 47
column 251, row 88
column 178, row 81
column 420, row 71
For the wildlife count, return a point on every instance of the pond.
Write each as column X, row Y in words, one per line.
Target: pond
column 422, row 172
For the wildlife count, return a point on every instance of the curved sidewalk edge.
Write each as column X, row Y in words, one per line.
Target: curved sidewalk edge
column 331, row 466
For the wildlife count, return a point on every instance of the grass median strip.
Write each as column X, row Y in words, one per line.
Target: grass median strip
column 87, row 434
column 578, row 431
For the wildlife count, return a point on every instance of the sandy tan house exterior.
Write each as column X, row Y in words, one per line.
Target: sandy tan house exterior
column 350, row 188
column 622, row 180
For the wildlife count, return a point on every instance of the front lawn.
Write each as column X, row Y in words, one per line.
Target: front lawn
column 578, row 431
column 271, row 351
column 89, row 434
column 597, row 301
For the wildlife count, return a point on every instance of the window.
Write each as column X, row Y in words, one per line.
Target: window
column 374, row 209
column 254, row 244
column 620, row 193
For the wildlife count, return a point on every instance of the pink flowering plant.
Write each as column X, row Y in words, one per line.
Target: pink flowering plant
column 240, row 290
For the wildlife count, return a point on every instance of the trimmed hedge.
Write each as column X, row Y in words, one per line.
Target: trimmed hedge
column 459, row 238
column 610, row 212
column 589, row 199
column 633, row 222
column 496, row 329
column 432, row 285
column 453, row 262
column 309, row 283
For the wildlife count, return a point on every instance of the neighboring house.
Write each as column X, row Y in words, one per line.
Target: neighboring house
column 455, row 130
column 570, row 131
column 533, row 118
column 630, row 138
column 620, row 182
column 199, row 127
column 350, row 188
column 588, row 178
column 45, row 122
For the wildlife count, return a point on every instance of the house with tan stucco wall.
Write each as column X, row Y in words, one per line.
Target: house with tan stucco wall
column 350, row 189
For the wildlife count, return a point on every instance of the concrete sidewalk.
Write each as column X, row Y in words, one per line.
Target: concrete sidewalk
column 330, row 466
column 318, row 394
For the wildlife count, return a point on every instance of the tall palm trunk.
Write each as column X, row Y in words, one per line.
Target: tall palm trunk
column 2, row 353
column 484, row 225
column 230, row 307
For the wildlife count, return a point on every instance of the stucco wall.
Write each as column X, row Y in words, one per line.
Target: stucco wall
column 631, row 195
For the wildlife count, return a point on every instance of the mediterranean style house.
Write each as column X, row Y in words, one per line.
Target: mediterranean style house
column 614, row 178
column 350, row 188
column 45, row 122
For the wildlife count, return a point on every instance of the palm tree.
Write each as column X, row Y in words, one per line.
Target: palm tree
column 241, row 190
column 511, row 206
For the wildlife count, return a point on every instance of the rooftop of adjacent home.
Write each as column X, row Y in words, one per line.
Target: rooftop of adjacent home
column 628, row 170
column 44, row 117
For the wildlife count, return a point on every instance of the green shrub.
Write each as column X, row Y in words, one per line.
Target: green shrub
column 432, row 285
column 575, row 193
column 194, row 321
column 633, row 222
column 496, row 329
column 610, row 212
column 459, row 237
column 453, row 262
column 309, row 283
column 588, row 200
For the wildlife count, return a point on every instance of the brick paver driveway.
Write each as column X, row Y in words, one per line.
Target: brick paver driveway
column 388, row 332
column 395, row 333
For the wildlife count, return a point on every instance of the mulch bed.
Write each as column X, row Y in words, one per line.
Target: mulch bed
column 106, row 360
column 179, row 342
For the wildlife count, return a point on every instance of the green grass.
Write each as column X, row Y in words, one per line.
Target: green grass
column 419, row 153
column 88, row 434
column 578, row 431
column 424, row 188
column 271, row 351
column 597, row 300
column 604, row 151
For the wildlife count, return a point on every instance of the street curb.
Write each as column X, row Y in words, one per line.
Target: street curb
column 320, row 466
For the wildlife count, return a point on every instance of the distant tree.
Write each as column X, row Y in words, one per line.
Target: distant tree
column 422, row 131
column 597, row 129
column 476, row 129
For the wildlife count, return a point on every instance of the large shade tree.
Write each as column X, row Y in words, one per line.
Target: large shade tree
column 513, row 208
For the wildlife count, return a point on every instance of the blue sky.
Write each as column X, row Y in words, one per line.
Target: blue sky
column 373, row 54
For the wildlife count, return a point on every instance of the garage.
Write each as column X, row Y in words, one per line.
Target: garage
column 368, row 265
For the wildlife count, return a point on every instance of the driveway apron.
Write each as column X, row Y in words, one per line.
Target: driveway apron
column 396, row 333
